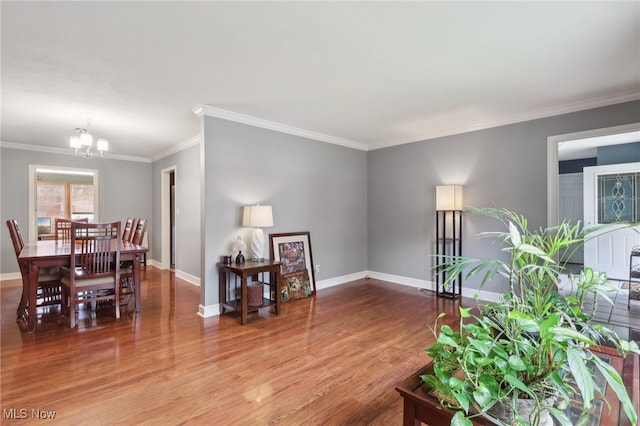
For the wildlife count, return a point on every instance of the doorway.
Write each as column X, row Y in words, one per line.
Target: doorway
column 577, row 147
column 168, row 194
column 576, row 142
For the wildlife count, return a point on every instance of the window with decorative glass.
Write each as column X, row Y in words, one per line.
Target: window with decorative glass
column 618, row 198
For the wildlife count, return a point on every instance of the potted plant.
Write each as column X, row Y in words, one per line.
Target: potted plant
column 522, row 350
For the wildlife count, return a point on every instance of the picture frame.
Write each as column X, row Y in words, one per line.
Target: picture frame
column 293, row 249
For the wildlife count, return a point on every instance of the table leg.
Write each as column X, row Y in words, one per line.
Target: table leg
column 409, row 417
column 32, row 290
column 278, row 292
column 24, row 299
column 244, row 294
column 136, row 279
column 222, row 288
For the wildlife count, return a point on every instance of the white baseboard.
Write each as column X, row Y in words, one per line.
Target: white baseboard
column 397, row 279
column 10, row 276
column 331, row 282
column 191, row 279
column 483, row 295
column 209, row 311
column 155, row 263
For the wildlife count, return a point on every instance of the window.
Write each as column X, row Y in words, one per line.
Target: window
column 618, row 198
column 61, row 192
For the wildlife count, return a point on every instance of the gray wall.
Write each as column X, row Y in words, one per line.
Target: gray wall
column 124, row 191
column 187, row 165
column 619, row 154
column 505, row 165
column 313, row 186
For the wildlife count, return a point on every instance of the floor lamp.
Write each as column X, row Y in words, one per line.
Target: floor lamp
column 448, row 238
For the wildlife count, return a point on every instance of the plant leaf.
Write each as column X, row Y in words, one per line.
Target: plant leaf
column 525, row 321
column 480, row 346
column 482, row 396
column 582, row 375
column 516, row 383
column 446, row 340
column 460, row 420
column 516, row 363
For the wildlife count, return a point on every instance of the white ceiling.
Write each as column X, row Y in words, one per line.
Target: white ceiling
column 362, row 74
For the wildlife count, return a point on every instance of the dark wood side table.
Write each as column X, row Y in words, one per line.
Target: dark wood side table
column 422, row 407
column 236, row 276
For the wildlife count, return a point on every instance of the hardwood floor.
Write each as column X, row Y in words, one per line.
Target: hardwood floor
column 332, row 359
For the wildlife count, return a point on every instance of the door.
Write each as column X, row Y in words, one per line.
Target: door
column 571, row 206
column 611, row 196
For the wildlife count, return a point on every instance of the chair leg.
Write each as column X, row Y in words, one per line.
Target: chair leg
column 116, row 300
column 72, row 310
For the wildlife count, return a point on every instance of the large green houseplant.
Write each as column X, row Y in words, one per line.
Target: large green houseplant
column 527, row 346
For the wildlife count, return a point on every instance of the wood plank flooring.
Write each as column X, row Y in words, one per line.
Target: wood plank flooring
column 332, row 359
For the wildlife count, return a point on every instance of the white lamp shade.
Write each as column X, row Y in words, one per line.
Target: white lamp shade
column 75, row 142
column 103, row 145
column 257, row 216
column 86, row 139
column 449, row 197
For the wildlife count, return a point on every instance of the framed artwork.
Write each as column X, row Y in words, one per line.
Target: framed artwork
column 293, row 249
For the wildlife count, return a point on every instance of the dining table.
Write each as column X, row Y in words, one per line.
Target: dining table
column 51, row 253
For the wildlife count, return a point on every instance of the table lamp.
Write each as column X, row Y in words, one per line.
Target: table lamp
column 257, row 217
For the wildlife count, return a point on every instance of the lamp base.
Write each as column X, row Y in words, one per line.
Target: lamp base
column 257, row 245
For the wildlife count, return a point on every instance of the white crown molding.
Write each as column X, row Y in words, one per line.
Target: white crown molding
column 516, row 118
column 65, row 151
column 278, row 127
column 177, row 148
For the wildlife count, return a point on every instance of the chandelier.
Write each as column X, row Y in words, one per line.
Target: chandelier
column 83, row 142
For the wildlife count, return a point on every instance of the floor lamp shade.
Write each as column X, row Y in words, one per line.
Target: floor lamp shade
column 257, row 217
column 448, row 197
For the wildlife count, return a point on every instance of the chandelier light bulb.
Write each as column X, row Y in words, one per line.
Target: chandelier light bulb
column 75, row 142
column 83, row 141
column 103, row 145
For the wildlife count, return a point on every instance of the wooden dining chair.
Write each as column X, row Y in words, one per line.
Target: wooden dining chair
column 127, row 231
column 138, row 234
column 49, row 290
column 63, row 228
column 94, row 272
column 126, row 272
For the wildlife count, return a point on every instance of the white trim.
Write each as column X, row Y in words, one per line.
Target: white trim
column 430, row 285
column 191, row 279
column 486, row 296
column 64, row 151
column 10, row 276
column 278, row 127
column 406, row 281
column 209, row 311
column 332, row 282
column 154, row 263
column 177, row 148
column 552, row 162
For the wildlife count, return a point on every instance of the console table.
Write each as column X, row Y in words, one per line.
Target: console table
column 422, row 407
column 236, row 275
